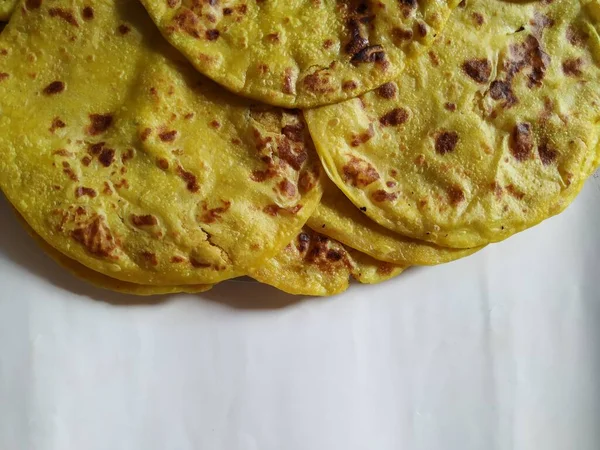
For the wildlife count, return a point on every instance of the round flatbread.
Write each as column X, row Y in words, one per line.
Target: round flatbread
column 300, row 53
column 492, row 131
column 102, row 281
column 313, row 264
column 338, row 218
column 123, row 158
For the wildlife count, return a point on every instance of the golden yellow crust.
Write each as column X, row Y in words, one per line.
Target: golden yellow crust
column 102, row 281
column 338, row 218
column 313, row 264
column 300, row 53
column 492, row 131
column 126, row 160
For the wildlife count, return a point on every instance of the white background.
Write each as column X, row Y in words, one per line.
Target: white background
column 497, row 351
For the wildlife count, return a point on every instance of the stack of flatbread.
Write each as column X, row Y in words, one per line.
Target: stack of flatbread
column 160, row 146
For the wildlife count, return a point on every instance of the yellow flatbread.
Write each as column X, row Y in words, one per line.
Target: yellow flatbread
column 492, row 131
column 338, row 218
column 316, row 265
column 123, row 158
column 102, row 281
column 300, row 53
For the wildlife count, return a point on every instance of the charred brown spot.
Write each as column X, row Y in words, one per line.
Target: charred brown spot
column 395, row 117
column 106, row 157
column 446, row 142
column 514, row 192
column 478, row 18
column 308, row 180
column 123, row 29
column 502, row 90
column 455, row 195
column 189, row 178
column 150, row 258
column 162, row 163
column 572, row 67
column 408, row 6
column 293, row 156
column 373, row 53
column 64, row 14
column 363, row 137
column 168, row 136
column 128, row 155
column 3, row 76
column 294, row 132
column 67, row 170
column 521, row 141
column 147, row 220
column 262, row 175
column 303, row 242
column 287, row 188
column 402, row 34
column 212, row 35
column 56, row 124
column 334, row 255
column 576, row 36
column 96, row 149
column 81, row 191
column 96, row 237
column 385, row 269
column 387, row 91
column 88, row 13
column 319, row 82
column 56, row 87
column 359, row 173
column 450, row 106
column 33, row 4
column 547, row 154
column 62, row 152
column 539, row 23
column 214, row 214
column 357, row 41
column 349, row 85
column 187, row 22
column 177, row 259
column 145, row 133
column 433, row 57
column 479, row 70
column 383, row 196
column 273, row 37
column 99, row 123
column 274, row 210
column 528, row 54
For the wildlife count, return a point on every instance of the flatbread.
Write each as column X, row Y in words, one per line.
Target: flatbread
column 6, row 9
column 338, row 218
column 300, row 53
column 316, row 265
column 311, row 265
column 123, row 158
column 491, row 132
column 102, row 281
